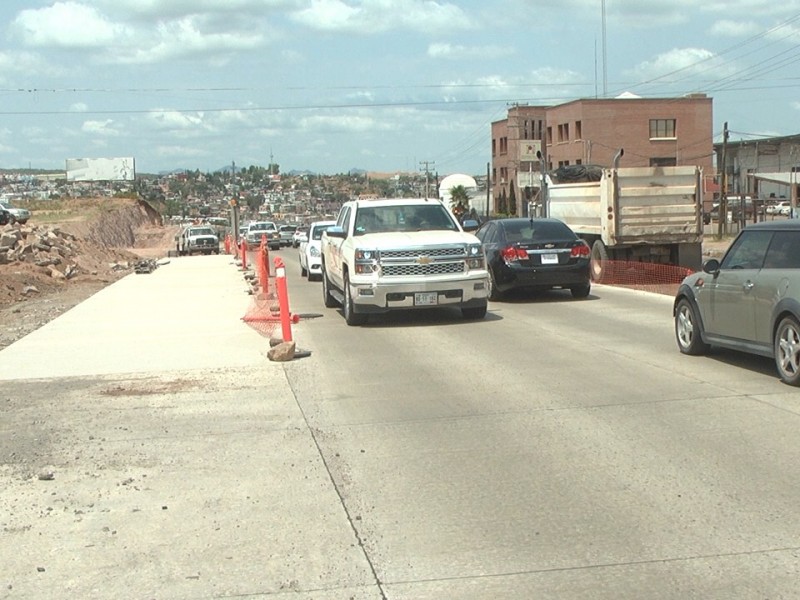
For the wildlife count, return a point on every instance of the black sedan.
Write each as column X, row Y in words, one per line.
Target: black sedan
column 534, row 254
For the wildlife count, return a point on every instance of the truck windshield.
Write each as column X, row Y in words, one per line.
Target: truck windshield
column 408, row 217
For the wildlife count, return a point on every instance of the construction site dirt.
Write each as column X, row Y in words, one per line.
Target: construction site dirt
column 71, row 254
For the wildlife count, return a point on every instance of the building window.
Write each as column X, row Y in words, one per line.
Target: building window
column 494, row 147
column 563, row 132
column 578, row 130
column 525, row 130
column 662, row 128
column 549, row 136
column 664, row 161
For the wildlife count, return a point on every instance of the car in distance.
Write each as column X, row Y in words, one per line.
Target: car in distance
column 17, row 215
column 267, row 229
column 300, row 235
column 534, row 254
column 748, row 301
column 310, row 250
column 200, row 239
column 286, row 233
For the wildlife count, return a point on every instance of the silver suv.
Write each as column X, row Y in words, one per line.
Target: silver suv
column 749, row 301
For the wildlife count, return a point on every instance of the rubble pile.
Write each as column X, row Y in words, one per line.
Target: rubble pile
column 55, row 252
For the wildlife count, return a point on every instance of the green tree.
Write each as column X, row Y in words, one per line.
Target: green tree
column 502, row 205
column 512, row 201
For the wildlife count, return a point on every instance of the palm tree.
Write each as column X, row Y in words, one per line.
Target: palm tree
column 459, row 200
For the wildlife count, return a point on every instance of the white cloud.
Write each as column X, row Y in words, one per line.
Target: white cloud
column 369, row 17
column 65, row 25
column 460, row 52
column 340, row 123
column 104, row 128
column 181, row 152
column 727, row 28
column 26, row 62
column 681, row 62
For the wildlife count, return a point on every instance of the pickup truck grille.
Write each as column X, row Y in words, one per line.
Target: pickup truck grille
column 416, row 270
column 455, row 252
column 421, row 262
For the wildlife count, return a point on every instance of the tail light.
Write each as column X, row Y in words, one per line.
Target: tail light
column 580, row 250
column 513, row 253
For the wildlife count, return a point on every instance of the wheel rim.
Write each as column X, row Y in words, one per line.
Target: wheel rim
column 789, row 350
column 684, row 326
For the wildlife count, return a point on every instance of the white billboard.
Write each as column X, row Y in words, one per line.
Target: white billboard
column 101, row 169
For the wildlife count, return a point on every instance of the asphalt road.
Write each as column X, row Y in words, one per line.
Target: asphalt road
column 556, row 449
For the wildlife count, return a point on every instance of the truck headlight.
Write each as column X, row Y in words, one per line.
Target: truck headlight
column 366, row 261
column 475, row 257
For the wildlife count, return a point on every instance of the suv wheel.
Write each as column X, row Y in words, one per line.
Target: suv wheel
column 787, row 350
column 687, row 329
column 350, row 316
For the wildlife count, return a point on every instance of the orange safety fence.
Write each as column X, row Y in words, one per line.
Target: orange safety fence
column 263, row 315
column 270, row 307
column 649, row 277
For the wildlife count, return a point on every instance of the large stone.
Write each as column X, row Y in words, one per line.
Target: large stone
column 283, row 352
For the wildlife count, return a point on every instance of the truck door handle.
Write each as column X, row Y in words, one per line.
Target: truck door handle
column 748, row 285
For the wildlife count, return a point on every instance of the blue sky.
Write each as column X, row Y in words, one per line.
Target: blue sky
column 383, row 85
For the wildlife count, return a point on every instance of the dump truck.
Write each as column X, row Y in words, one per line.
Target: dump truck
column 644, row 214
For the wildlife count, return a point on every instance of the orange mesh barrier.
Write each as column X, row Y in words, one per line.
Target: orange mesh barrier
column 263, row 314
column 649, row 277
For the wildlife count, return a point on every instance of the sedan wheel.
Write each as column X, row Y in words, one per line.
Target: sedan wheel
column 787, row 350
column 687, row 329
column 581, row 291
column 494, row 293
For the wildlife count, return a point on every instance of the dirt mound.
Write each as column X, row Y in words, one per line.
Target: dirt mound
column 56, row 261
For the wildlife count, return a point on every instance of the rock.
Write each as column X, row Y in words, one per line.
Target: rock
column 30, row 289
column 283, row 352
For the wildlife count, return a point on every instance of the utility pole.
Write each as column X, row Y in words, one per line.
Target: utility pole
column 722, row 227
column 428, row 164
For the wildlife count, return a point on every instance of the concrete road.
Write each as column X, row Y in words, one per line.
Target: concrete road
column 556, row 449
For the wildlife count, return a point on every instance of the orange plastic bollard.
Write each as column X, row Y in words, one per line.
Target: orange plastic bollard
column 283, row 299
column 264, row 267
column 227, row 244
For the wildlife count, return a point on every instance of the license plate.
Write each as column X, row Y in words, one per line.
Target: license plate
column 549, row 259
column 426, row 299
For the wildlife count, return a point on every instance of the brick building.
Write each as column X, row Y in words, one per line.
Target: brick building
column 652, row 131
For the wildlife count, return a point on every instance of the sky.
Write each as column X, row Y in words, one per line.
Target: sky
column 382, row 85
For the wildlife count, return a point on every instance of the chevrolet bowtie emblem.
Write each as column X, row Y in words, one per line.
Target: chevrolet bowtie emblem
column 424, row 260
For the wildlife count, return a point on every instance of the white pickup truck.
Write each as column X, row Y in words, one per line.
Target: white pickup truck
column 390, row 254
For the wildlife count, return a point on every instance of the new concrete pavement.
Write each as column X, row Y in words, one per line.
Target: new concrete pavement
column 148, row 449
